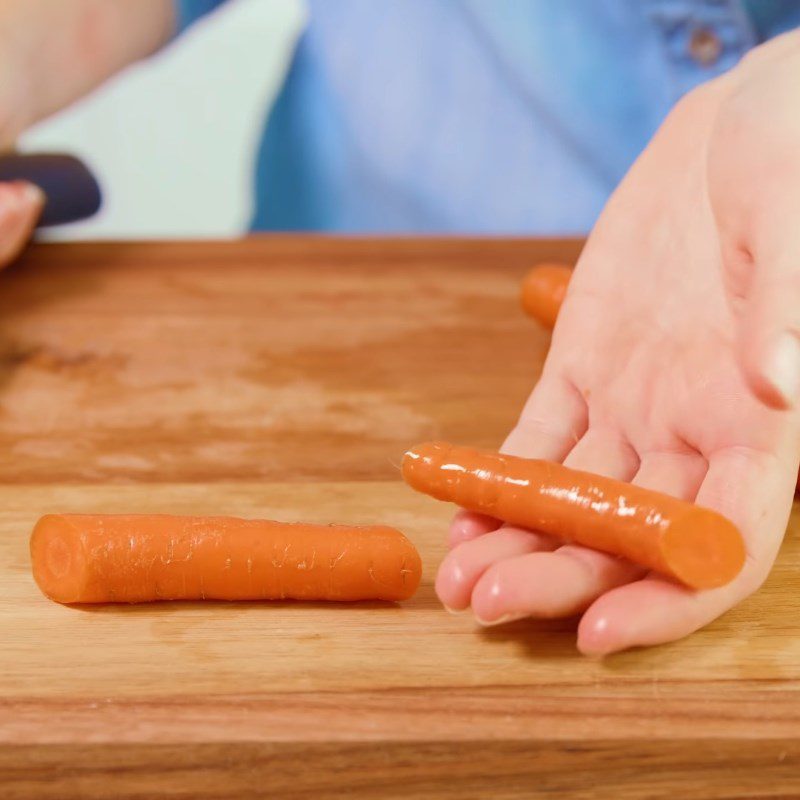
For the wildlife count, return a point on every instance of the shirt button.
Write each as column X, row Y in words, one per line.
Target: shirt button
column 704, row 46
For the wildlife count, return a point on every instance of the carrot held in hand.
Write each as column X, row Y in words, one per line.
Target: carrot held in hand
column 694, row 545
column 137, row 558
column 543, row 292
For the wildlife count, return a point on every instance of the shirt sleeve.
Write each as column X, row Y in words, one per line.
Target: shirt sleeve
column 189, row 11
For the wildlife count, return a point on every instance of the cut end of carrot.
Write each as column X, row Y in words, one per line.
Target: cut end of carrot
column 704, row 550
column 59, row 563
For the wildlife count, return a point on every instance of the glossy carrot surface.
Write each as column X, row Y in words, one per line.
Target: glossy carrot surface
column 139, row 558
column 543, row 291
column 694, row 545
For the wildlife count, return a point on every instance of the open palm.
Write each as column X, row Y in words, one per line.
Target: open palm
column 644, row 383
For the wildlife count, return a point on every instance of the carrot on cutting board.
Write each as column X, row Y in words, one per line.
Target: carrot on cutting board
column 694, row 545
column 138, row 558
column 543, row 292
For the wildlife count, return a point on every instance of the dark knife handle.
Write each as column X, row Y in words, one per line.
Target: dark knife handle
column 72, row 191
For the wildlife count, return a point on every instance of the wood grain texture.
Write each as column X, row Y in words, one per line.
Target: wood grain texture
column 313, row 359
column 622, row 770
column 283, row 378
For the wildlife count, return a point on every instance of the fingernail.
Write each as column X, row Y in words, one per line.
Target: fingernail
column 486, row 623
column 32, row 194
column 456, row 612
column 782, row 369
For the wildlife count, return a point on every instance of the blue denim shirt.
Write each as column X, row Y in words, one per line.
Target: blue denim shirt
column 482, row 116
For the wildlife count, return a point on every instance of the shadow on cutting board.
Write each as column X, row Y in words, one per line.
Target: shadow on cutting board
column 267, row 606
column 536, row 639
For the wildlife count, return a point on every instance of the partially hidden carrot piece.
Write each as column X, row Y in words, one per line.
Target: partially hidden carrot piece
column 694, row 545
column 543, row 292
column 138, row 558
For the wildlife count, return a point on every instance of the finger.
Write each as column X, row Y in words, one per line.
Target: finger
column 556, row 584
column 604, row 452
column 553, row 419
column 754, row 490
column 467, row 525
column 568, row 580
column 676, row 474
column 20, row 207
column 770, row 343
column 769, row 330
column 465, row 564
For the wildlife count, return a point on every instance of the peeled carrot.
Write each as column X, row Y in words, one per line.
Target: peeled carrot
column 543, row 292
column 694, row 545
column 139, row 558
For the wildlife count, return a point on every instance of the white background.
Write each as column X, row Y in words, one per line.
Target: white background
column 173, row 140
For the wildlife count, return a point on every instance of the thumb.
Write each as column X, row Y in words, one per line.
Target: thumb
column 769, row 346
column 21, row 204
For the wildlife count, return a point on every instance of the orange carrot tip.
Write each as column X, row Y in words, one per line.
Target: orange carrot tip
column 543, row 291
column 693, row 545
column 139, row 558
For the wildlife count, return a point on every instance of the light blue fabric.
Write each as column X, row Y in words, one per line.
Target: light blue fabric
column 480, row 116
column 189, row 11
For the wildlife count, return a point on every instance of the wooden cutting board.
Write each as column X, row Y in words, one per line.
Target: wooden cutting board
column 283, row 378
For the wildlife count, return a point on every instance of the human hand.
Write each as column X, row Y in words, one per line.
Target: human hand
column 50, row 55
column 673, row 360
column 21, row 205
